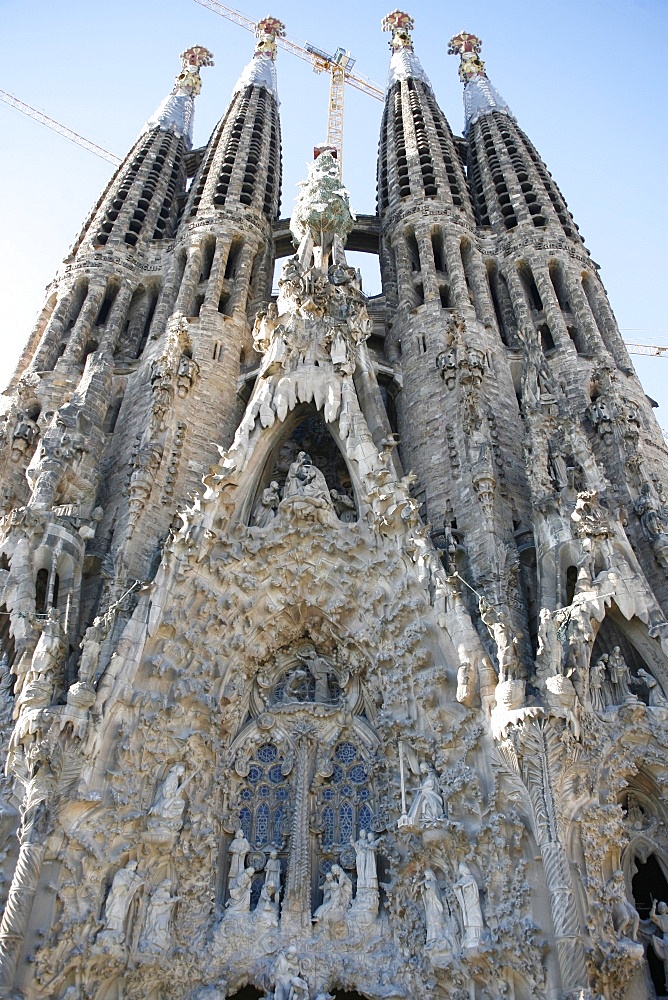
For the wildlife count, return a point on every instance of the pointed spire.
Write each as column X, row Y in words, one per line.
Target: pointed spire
column 177, row 111
column 404, row 64
column 261, row 70
column 480, row 97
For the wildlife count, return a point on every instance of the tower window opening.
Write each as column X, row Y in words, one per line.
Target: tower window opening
column 437, row 249
column 41, row 585
column 530, row 287
column 413, row 252
column 546, row 339
column 232, row 260
column 208, row 250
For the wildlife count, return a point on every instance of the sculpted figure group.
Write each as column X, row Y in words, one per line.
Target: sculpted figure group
column 304, row 479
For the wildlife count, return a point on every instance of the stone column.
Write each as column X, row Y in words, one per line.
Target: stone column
column 84, row 324
column 458, row 288
column 296, row 907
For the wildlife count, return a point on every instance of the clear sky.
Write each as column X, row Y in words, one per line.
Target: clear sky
column 585, row 78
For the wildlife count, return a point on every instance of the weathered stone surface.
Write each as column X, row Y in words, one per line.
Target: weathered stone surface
column 334, row 657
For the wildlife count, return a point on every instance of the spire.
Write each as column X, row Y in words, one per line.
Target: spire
column 404, row 64
column 177, row 111
column 261, row 70
column 480, row 97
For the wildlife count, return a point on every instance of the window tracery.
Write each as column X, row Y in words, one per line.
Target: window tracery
column 344, row 799
column 264, row 798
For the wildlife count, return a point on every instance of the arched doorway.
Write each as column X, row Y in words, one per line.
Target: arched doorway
column 648, row 884
column 247, row 993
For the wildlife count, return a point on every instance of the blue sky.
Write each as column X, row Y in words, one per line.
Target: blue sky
column 585, row 79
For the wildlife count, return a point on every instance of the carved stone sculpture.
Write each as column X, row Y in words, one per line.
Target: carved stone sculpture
column 240, row 892
column 124, row 887
column 468, row 897
column 625, row 917
column 266, row 508
column 237, row 852
column 438, row 931
column 654, row 522
column 166, row 813
column 427, row 806
column 620, row 676
column 288, row 982
column 156, row 935
column 659, row 916
column 305, row 480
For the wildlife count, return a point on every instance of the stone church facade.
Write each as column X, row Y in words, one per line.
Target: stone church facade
column 334, row 653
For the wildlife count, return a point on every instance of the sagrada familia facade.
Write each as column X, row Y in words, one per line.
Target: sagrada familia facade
column 334, row 645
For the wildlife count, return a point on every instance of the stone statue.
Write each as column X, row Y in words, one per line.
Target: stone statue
column 597, row 677
column 365, row 858
column 625, row 917
column 169, row 803
column 659, row 916
column 506, row 644
column 344, row 506
column 287, row 980
column 237, row 851
column 50, row 645
column 123, row 889
column 468, row 897
column 25, row 433
column 657, row 698
column 266, row 508
column 465, row 684
column 272, row 872
column 433, row 908
column 337, row 897
column 319, row 670
column 156, row 936
column 653, row 521
column 240, row 892
column 620, row 675
column 305, row 480
column 91, row 646
column 428, row 804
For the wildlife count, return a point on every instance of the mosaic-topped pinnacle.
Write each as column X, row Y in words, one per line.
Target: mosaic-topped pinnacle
column 400, row 24
column 480, row 97
column 177, row 111
column 261, row 70
column 468, row 47
column 267, row 31
column 404, row 64
column 189, row 81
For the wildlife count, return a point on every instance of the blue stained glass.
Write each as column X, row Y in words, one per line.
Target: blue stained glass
column 328, row 826
column 357, row 774
column 345, row 823
column 254, row 774
column 275, row 775
column 363, row 793
column 338, row 774
column 328, row 794
column 246, row 794
column 263, row 792
column 262, row 824
column 245, row 821
column 281, row 794
column 346, row 790
column 278, row 826
column 267, row 753
column 365, row 817
column 345, row 753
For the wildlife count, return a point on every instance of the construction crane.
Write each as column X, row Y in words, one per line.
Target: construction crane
column 39, row 116
column 339, row 65
column 649, row 350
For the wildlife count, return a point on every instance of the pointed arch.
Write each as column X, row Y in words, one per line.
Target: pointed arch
column 257, row 473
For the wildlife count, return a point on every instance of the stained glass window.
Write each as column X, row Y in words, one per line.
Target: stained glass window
column 263, row 797
column 345, row 799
